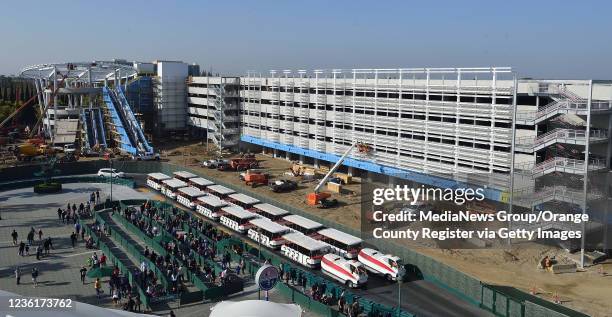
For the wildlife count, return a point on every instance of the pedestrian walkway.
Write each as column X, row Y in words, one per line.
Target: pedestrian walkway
column 59, row 271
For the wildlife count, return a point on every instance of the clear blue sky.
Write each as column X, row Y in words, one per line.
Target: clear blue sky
column 552, row 39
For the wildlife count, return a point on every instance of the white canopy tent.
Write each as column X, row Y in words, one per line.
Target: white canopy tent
column 255, row 308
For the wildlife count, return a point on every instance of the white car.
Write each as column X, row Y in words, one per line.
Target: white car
column 69, row 148
column 147, row 157
column 214, row 163
column 110, row 172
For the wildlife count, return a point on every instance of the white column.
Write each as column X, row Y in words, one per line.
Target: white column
column 586, row 172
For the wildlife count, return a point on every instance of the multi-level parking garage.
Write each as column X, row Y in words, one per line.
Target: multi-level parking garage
column 434, row 121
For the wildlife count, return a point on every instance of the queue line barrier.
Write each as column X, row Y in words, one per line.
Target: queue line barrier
column 208, row 291
column 144, row 298
column 135, row 252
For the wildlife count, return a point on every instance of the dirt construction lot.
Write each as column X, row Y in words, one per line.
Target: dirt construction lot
column 588, row 291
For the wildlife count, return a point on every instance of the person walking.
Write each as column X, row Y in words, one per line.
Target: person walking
column 40, row 234
column 31, row 236
column 21, row 248
column 18, row 275
column 73, row 238
column 97, row 196
column 97, row 287
column 38, row 252
column 137, row 303
column 83, row 274
column 35, row 274
column 15, row 236
column 50, row 243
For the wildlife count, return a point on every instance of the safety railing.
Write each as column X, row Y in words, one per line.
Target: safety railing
column 559, row 164
column 137, row 130
column 134, row 251
column 88, row 134
column 562, row 135
column 126, row 142
column 102, row 133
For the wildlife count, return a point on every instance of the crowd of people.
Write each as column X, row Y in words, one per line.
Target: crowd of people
column 180, row 258
column 72, row 213
column 43, row 246
column 120, row 290
column 317, row 291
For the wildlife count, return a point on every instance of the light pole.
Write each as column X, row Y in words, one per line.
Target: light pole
column 259, row 257
column 399, row 297
column 400, row 276
column 110, row 162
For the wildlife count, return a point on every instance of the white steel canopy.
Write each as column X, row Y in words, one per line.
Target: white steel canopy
column 98, row 71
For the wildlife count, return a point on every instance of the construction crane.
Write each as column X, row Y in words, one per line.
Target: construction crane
column 317, row 197
column 10, row 116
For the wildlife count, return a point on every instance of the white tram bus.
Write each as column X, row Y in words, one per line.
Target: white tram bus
column 270, row 211
column 200, row 183
column 268, row 233
column 243, row 201
column 210, row 206
column 188, row 196
column 342, row 243
column 170, row 187
column 387, row 265
column 154, row 180
column 237, row 218
column 349, row 272
column 219, row 191
column 184, row 176
column 302, row 225
column 304, row 249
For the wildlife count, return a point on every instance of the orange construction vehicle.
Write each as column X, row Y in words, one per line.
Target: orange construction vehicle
column 254, row 179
